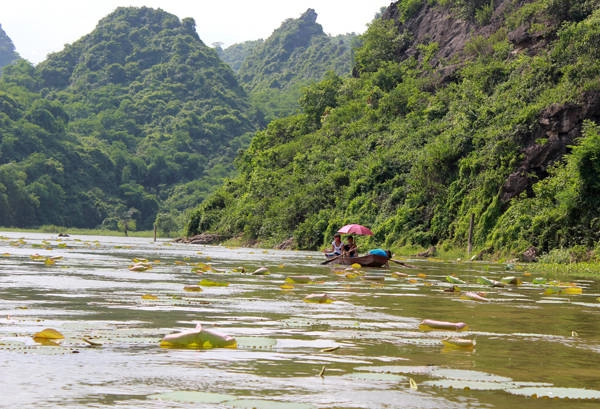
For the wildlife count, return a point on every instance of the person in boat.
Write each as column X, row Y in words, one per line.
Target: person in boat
column 350, row 248
column 337, row 246
column 381, row 252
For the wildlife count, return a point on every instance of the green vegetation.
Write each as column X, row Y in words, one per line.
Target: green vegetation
column 298, row 53
column 490, row 110
column 416, row 142
column 7, row 49
column 137, row 119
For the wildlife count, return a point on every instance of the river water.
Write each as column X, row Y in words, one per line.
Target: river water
column 536, row 345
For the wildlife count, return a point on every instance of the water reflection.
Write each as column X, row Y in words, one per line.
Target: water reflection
column 359, row 351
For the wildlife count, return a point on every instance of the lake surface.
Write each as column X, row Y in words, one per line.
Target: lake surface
column 537, row 345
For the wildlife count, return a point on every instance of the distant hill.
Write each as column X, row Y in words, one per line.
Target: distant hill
column 298, row 53
column 236, row 54
column 136, row 118
column 7, row 49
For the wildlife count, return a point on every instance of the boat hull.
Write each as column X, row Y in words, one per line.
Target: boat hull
column 370, row 260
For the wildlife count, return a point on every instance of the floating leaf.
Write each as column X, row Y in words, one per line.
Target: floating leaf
column 149, row 297
column 454, row 280
column 571, row 290
column 210, row 283
column 49, row 333
column 193, row 397
column 488, row 281
column 413, row 384
column 429, row 325
column 318, row 298
column 193, row 288
column 399, row 274
column 556, row 393
column 475, row 296
column 511, row 280
column 356, row 266
column 459, row 343
column 266, row 404
column 202, row 267
column 140, row 267
column 92, row 343
column 198, row 338
column 374, row 277
column 377, row 376
column 261, row 271
column 298, row 279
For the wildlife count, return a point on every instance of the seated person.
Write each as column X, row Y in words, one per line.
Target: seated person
column 381, row 252
column 350, row 247
column 337, row 247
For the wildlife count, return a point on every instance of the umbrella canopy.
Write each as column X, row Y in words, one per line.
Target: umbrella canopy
column 355, row 229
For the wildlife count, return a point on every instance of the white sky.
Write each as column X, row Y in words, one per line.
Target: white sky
column 40, row 27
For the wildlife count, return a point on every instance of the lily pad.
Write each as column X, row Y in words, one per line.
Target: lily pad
column 377, row 376
column 468, row 375
column 555, row 392
column 468, row 384
column 193, row 397
column 267, row 404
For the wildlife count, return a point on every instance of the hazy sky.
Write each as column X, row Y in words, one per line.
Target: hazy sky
column 40, row 27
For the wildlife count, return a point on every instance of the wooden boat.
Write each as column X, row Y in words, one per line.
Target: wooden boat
column 369, row 260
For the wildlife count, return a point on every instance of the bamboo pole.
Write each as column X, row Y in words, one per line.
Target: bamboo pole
column 470, row 240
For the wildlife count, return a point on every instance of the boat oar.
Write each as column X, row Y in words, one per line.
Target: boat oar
column 402, row 263
column 331, row 259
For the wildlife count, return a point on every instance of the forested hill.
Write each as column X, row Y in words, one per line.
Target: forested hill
column 274, row 71
column 138, row 117
column 456, row 110
column 7, row 49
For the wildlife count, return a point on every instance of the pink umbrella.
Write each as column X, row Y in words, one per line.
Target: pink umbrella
column 355, row 229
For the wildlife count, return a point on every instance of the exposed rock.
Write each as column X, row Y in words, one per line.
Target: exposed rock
column 529, row 255
column 558, row 127
column 430, row 252
column 285, row 245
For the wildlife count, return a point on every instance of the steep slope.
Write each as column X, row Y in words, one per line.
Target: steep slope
column 456, row 110
column 7, row 49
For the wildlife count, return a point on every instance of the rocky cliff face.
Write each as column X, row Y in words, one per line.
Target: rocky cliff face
column 558, row 125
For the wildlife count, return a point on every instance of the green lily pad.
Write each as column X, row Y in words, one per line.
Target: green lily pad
column 377, row 376
column 468, row 385
column 554, row 392
column 267, row 404
column 256, row 342
column 193, row 397
column 464, row 375
column 398, row 369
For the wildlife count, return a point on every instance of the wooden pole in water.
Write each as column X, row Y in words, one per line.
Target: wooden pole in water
column 154, row 231
column 470, row 241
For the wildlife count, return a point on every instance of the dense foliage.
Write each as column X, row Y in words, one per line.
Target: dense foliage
column 418, row 141
column 296, row 54
column 135, row 119
column 7, row 49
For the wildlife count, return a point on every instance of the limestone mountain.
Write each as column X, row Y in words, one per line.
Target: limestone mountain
column 296, row 54
column 137, row 117
column 7, row 49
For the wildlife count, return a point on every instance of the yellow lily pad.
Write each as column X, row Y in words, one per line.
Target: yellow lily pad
column 49, row 333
